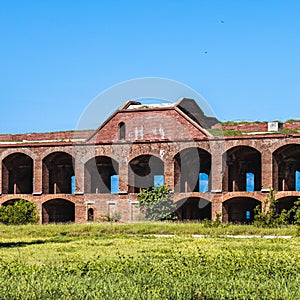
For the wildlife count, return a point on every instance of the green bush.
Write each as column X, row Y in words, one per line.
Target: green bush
column 21, row 212
column 157, row 204
column 270, row 217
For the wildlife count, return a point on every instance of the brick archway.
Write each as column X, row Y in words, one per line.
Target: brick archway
column 57, row 173
column 142, row 171
column 194, row 208
column 17, row 174
column 286, row 164
column 239, row 162
column 188, row 165
column 58, row 210
column 239, row 209
column 98, row 173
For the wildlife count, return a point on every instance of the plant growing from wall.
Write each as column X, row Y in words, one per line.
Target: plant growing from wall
column 268, row 216
column 19, row 213
column 157, row 204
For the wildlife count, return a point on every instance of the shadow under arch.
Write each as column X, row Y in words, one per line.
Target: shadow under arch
column 193, row 208
column 239, row 161
column 239, row 210
column 143, row 171
column 58, row 211
column 12, row 201
column 188, row 165
column 17, row 174
column 286, row 203
column 286, row 164
column 98, row 172
column 57, row 173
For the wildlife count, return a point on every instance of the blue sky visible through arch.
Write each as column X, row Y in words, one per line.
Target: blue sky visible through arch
column 297, row 180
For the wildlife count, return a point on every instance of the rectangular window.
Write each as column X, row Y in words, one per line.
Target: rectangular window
column 203, row 182
column 114, row 184
column 73, row 185
column 297, row 181
column 248, row 215
column 249, row 182
column 158, row 180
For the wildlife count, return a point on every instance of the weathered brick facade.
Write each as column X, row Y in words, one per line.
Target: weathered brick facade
column 135, row 147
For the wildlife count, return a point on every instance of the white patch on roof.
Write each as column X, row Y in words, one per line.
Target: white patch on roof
column 154, row 105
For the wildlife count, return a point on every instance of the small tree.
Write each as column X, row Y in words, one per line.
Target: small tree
column 266, row 216
column 156, row 203
column 269, row 216
column 21, row 212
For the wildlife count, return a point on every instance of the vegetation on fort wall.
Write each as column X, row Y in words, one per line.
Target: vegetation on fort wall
column 47, row 262
column 268, row 216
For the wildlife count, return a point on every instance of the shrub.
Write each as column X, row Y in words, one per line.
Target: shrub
column 157, row 204
column 269, row 216
column 21, row 212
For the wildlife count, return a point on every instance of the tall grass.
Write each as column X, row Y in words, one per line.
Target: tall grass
column 63, row 264
column 96, row 229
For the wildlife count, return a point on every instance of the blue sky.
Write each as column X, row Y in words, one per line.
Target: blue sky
column 56, row 56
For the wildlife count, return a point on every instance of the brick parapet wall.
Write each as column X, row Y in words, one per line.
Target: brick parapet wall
column 62, row 135
column 255, row 127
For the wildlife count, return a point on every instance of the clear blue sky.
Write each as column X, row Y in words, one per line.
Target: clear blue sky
column 57, row 55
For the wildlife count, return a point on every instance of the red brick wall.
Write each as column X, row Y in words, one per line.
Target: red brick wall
column 63, row 135
column 148, row 126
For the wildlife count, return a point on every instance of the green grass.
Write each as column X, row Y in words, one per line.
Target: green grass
column 96, row 229
column 126, row 261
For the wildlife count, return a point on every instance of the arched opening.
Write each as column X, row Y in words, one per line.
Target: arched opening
column 122, row 131
column 17, row 174
column 90, row 214
column 240, row 210
column 192, row 168
column 286, row 168
column 242, row 169
column 11, row 202
column 58, row 211
column 145, row 171
column 286, row 203
column 57, row 173
column 101, row 175
column 193, row 208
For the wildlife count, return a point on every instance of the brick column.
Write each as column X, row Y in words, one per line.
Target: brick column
column 169, row 174
column 123, row 177
column 266, row 170
column 38, row 175
column 216, row 167
column 216, row 206
column 79, row 175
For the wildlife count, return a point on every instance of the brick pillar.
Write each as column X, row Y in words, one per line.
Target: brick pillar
column 37, row 176
column 266, row 170
column 216, row 206
column 216, row 177
column 80, row 209
column 169, row 174
column 123, row 177
column 216, row 167
column 79, row 175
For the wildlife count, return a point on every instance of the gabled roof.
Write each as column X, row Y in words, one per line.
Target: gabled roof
column 187, row 108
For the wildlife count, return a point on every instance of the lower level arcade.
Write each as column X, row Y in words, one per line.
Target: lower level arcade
column 63, row 208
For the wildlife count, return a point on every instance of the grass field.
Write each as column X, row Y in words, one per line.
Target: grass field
column 126, row 261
